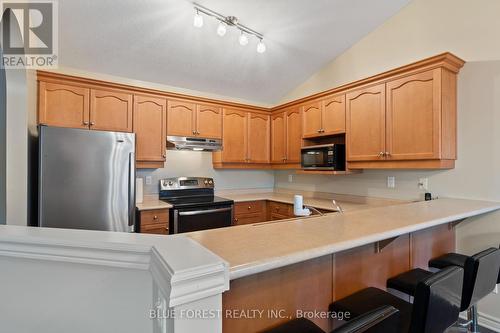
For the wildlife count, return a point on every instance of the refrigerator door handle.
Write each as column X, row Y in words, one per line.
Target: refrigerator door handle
column 131, row 192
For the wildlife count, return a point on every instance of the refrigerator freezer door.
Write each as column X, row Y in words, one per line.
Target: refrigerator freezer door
column 86, row 179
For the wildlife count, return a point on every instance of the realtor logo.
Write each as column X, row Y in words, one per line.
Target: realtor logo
column 29, row 34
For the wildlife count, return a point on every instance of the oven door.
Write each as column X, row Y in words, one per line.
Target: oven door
column 202, row 218
column 317, row 158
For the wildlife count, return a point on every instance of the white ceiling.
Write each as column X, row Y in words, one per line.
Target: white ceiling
column 155, row 41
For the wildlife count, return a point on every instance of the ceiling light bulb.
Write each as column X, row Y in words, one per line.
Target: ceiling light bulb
column 243, row 39
column 221, row 29
column 261, row 47
column 198, row 20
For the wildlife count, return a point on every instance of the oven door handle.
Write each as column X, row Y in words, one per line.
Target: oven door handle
column 207, row 211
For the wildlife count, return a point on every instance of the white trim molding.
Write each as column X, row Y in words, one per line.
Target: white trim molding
column 185, row 274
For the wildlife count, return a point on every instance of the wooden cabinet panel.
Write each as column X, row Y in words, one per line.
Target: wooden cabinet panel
column 63, row 105
column 249, row 219
column 279, row 210
column 365, row 119
column 293, row 135
column 311, row 119
column 258, row 138
column 110, row 110
column 413, row 117
column 278, row 138
column 154, row 221
column 209, row 121
column 234, row 133
column 249, row 207
column 363, row 267
column 431, row 243
column 333, row 119
column 181, row 118
column 150, row 122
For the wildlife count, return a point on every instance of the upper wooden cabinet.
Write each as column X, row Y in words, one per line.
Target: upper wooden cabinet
column 324, row 117
column 365, row 136
column 191, row 119
column 246, row 138
column 278, row 137
column 259, row 133
column 407, row 122
column 110, row 110
column 150, row 122
column 333, row 115
column 209, row 121
column 413, row 123
column 63, row 105
column 181, row 118
column 286, row 137
column 235, row 136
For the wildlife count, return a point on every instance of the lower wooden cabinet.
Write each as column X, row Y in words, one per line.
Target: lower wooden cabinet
column 249, row 212
column 279, row 211
column 153, row 221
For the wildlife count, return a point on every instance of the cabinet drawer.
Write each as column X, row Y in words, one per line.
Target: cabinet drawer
column 280, row 209
column 153, row 217
column 249, row 207
column 249, row 219
column 155, row 229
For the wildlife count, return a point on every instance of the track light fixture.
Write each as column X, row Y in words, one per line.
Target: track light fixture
column 224, row 23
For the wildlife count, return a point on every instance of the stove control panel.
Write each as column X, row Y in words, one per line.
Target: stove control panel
column 183, row 183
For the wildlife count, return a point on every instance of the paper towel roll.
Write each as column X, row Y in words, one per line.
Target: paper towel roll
column 139, row 190
column 298, row 204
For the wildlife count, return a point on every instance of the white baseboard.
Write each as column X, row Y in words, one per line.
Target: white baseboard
column 486, row 321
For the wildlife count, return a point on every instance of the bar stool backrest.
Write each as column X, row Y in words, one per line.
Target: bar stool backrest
column 480, row 276
column 437, row 301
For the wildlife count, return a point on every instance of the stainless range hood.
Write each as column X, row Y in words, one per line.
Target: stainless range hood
column 194, row 144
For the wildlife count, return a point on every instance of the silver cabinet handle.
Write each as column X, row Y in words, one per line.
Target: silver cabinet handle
column 155, row 217
column 92, row 123
column 387, row 153
column 86, row 123
column 381, row 154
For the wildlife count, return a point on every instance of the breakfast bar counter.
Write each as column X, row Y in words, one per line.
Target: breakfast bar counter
column 255, row 248
column 305, row 264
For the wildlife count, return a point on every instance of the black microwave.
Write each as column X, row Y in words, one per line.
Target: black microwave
column 323, row 157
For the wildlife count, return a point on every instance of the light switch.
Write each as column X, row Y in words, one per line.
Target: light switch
column 290, row 178
column 391, row 182
column 149, row 180
column 423, row 183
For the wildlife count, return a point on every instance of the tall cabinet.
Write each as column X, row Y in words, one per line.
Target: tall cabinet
column 286, row 136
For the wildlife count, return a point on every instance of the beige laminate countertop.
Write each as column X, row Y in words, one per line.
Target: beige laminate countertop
column 152, row 203
column 250, row 249
column 320, row 203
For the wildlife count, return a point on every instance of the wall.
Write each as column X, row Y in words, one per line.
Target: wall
column 424, row 28
column 199, row 164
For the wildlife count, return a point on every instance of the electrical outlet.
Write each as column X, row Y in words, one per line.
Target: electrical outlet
column 290, row 178
column 391, row 182
column 149, row 180
column 423, row 183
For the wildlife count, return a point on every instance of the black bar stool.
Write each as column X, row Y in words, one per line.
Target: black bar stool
column 481, row 272
column 382, row 320
column 435, row 308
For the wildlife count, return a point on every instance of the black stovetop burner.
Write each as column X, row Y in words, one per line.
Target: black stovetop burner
column 197, row 201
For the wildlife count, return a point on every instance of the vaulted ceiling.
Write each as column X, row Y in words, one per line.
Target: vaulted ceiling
column 155, row 41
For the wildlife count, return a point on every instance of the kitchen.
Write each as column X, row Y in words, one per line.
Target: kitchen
column 341, row 174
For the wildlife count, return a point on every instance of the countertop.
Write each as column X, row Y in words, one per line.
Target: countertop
column 152, row 202
column 250, row 249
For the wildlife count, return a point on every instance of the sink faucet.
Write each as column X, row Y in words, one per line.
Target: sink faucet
column 315, row 209
column 337, row 207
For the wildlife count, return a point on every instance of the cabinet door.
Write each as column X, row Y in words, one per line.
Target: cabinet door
column 259, row 133
column 63, row 105
column 181, row 118
column 278, row 138
column 365, row 119
column 234, row 136
column 293, row 135
column 413, row 117
column 333, row 119
column 150, row 128
column 209, row 121
column 311, row 119
column 110, row 110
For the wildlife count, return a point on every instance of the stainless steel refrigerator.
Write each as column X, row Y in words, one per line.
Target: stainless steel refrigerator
column 86, row 179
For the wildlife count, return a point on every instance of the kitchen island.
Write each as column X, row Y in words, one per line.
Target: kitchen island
column 305, row 264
